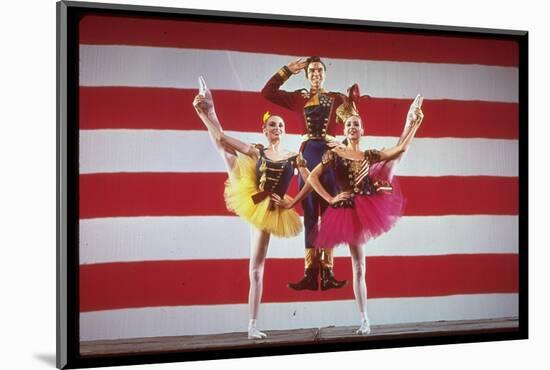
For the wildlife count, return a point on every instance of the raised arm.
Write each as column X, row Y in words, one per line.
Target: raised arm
column 384, row 154
column 272, row 89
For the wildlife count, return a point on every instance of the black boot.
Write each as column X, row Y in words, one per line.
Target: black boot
column 309, row 281
column 328, row 281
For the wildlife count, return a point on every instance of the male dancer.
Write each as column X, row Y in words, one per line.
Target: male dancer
column 318, row 107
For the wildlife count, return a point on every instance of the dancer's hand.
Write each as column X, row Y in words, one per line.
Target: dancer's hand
column 281, row 202
column 297, row 65
column 340, row 197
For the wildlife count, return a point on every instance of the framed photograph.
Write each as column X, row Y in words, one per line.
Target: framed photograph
column 237, row 185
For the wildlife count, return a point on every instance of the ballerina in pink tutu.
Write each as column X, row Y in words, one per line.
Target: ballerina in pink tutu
column 368, row 201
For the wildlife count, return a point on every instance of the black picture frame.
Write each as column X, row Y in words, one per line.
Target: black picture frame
column 68, row 345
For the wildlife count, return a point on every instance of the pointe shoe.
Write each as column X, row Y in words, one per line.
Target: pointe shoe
column 364, row 329
column 415, row 105
column 254, row 333
column 204, row 91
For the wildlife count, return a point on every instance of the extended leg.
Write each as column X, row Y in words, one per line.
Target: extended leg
column 207, row 113
column 228, row 155
column 391, row 166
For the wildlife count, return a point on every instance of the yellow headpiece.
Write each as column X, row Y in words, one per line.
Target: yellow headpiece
column 349, row 108
column 266, row 116
column 345, row 111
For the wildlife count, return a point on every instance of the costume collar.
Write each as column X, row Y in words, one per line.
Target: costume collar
column 320, row 91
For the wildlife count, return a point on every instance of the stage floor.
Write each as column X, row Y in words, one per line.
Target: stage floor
column 298, row 336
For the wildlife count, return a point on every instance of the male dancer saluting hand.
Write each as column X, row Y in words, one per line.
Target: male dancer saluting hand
column 318, row 107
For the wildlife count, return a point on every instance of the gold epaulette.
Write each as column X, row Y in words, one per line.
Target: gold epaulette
column 303, row 92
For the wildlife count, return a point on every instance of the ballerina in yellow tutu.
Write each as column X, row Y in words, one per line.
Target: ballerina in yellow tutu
column 256, row 189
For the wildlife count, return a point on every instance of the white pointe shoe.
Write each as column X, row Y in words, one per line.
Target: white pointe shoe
column 364, row 329
column 254, row 333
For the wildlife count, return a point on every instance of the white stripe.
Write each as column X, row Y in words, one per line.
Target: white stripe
column 227, row 237
column 117, row 65
column 194, row 320
column 192, row 151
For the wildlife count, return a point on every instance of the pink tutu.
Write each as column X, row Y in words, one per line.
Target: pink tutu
column 371, row 216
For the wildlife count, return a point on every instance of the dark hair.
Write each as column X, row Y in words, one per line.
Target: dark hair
column 314, row 60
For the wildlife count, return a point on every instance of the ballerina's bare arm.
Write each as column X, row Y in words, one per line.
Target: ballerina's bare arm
column 289, row 202
column 313, row 179
column 384, row 154
column 205, row 108
column 301, row 164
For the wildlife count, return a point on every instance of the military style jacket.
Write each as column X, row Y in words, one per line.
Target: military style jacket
column 318, row 110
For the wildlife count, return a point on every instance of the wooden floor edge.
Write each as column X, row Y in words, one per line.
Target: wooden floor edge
column 297, row 337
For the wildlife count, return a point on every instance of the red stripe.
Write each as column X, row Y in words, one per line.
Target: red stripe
column 327, row 42
column 179, row 194
column 174, row 283
column 157, row 108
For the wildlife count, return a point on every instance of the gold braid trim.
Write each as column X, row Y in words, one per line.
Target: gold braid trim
column 285, row 73
column 263, row 167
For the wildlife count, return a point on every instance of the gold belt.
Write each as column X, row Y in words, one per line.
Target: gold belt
column 306, row 137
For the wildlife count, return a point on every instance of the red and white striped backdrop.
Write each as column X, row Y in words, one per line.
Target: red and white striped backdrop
column 160, row 254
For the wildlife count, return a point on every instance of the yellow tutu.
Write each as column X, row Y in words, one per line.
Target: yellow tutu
column 239, row 189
